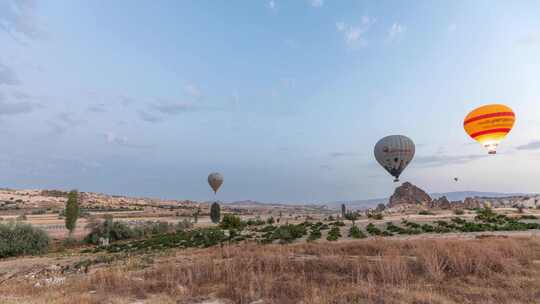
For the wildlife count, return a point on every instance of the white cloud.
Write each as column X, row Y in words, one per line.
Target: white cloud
column 317, row 3
column 272, row 4
column 353, row 35
column 395, row 31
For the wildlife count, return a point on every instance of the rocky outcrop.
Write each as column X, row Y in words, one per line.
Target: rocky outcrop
column 440, row 203
column 409, row 194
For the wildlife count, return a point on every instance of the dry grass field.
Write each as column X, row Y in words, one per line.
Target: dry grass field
column 488, row 270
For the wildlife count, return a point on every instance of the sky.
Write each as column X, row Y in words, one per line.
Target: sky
column 285, row 98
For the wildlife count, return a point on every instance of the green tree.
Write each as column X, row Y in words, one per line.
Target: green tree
column 72, row 211
column 215, row 213
column 343, row 211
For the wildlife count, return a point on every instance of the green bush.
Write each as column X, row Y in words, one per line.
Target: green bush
column 270, row 220
column 288, row 233
column 22, row 239
column 254, row 222
column 314, row 235
column 231, row 221
column 371, row 229
column 356, row 233
column 334, row 234
column 528, row 217
column 116, row 231
column 425, row 212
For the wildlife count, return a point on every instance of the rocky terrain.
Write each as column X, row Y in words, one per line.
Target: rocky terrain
column 409, row 196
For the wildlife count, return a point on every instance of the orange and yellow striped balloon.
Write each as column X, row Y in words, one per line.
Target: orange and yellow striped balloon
column 489, row 125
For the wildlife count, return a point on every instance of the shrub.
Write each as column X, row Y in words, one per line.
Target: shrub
column 334, row 234
column 21, row 239
column 270, row 220
column 337, row 224
column 371, row 229
column 314, row 235
column 116, row 231
column 356, row 233
column 528, row 217
column 215, row 213
column 375, row 215
column 459, row 211
column 425, row 212
column 22, row 217
column 231, row 221
column 286, row 233
column 254, row 222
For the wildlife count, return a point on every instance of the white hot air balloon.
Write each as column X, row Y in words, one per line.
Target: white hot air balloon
column 394, row 153
column 215, row 180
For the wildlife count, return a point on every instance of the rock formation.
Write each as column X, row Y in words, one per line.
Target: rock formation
column 409, row 194
column 440, row 203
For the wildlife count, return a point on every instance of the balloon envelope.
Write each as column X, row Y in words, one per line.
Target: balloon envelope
column 215, row 180
column 394, row 153
column 489, row 124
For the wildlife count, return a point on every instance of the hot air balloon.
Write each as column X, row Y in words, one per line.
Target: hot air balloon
column 489, row 124
column 215, row 180
column 394, row 153
column 456, row 179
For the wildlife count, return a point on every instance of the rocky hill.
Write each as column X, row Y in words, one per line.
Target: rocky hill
column 409, row 194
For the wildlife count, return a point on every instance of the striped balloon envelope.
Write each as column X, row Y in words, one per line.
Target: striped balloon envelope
column 489, row 124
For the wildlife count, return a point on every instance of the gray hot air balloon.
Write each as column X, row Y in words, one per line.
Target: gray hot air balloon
column 215, row 180
column 394, row 153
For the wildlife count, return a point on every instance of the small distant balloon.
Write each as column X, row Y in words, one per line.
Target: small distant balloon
column 489, row 125
column 456, row 179
column 215, row 180
column 394, row 153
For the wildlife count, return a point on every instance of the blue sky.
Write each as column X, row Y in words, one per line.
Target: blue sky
column 285, row 98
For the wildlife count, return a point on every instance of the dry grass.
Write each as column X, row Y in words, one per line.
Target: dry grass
column 371, row 271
